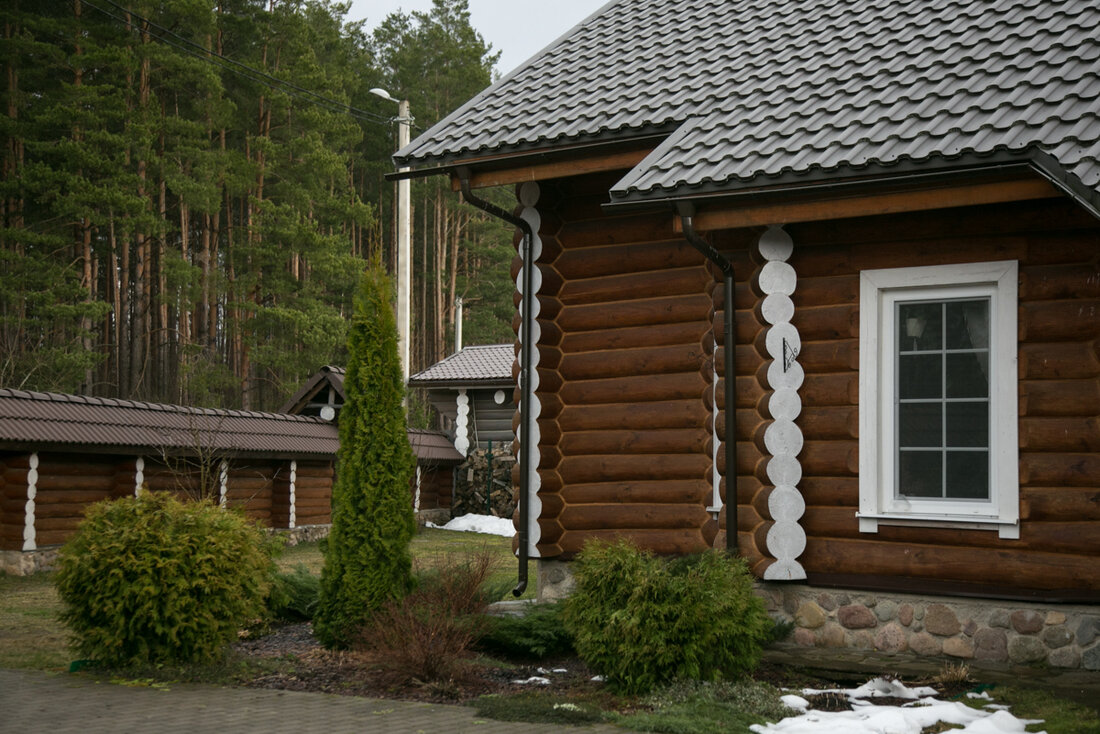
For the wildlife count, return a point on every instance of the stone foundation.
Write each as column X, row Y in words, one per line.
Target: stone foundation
column 980, row 630
column 302, row 533
column 24, row 563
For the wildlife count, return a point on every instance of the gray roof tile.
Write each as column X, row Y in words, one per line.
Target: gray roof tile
column 765, row 93
column 477, row 365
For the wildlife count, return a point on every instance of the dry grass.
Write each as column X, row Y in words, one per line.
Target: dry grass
column 30, row 634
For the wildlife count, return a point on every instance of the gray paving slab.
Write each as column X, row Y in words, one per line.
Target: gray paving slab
column 33, row 702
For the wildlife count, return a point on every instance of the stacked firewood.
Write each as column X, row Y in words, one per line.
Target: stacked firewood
column 484, row 484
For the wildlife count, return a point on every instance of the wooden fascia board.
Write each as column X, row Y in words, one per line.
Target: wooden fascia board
column 616, row 161
column 733, row 217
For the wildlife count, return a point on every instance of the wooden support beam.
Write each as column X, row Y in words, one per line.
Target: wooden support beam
column 732, row 217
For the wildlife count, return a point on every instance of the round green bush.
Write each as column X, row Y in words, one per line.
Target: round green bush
column 642, row 621
column 152, row 580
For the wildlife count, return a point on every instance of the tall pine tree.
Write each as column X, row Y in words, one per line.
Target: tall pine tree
column 367, row 562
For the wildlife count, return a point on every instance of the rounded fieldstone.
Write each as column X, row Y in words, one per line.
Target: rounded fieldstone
column 919, row 613
column 1056, row 637
column 1026, row 650
column 1055, row 618
column 991, row 644
column 886, row 610
column 999, row 618
column 809, row 615
column 1065, row 657
column 925, row 644
column 970, row 628
column 958, row 647
column 826, row 601
column 790, row 603
column 1027, row 621
column 940, row 620
column 862, row 640
column 833, row 635
column 1087, row 629
column 867, row 601
column 1090, row 659
column 804, row 638
column 891, row 639
column 843, row 599
column 905, row 614
column 856, row 616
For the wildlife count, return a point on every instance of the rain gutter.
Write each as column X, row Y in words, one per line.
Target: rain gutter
column 526, row 371
column 687, row 211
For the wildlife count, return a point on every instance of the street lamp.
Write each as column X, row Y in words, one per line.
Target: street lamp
column 404, row 232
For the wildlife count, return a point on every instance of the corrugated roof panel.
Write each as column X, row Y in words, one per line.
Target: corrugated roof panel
column 475, row 365
column 760, row 89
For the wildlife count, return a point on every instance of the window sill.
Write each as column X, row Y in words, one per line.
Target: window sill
column 1006, row 529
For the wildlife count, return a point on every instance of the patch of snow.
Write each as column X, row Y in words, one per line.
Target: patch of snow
column 480, row 524
column 535, row 679
column 598, row 678
column 911, row 718
column 984, row 695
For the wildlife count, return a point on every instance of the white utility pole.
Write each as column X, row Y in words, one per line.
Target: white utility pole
column 404, row 236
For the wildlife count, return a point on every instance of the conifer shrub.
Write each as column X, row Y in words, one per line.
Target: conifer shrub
column 642, row 621
column 294, row 595
column 367, row 559
column 152, row 580
column 536, row 635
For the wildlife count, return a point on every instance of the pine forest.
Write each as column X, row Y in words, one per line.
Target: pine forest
column 191, row 191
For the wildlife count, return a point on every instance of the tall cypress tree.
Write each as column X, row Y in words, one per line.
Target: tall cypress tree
column 367, row 562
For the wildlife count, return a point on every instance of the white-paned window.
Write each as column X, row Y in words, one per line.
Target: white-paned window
column 937, row 397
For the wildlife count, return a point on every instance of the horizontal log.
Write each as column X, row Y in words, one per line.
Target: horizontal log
column 13, row 506
column 587, row 469
column 830, row 491
column 53, row 466
column 679, row 334
column 830, row 389
column 646, row 491
column 943, row 249
column 1077, row 538
column 829, row 423
column 1069, row 470
column 625, row 287
column 688, row 413
column 64, row 524
column 1006, row 565
column 661, row 542
column 747, row 329
column 641, row 312
column 1060, row 281
column 1069, row 320
column 646, row 441
column 824, row 290
column 646, row 388
column 1059, row 398
column 748, row 457
column 830, row 458
column 1066, row 434
column 633, row 517
column 320, row 518
column 16, row 461
column 1060, row 360
column 1060, row 503
column 631, row 362
column 592, row 262
column 819, row 323
column 52, row 537
column 840, row 355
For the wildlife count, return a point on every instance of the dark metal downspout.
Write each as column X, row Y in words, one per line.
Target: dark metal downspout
column 524, row 365
column 686, row 212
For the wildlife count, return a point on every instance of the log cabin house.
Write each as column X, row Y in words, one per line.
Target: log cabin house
column 817, row 281
column 60, row 453
column 473, row 390
column 432, row 484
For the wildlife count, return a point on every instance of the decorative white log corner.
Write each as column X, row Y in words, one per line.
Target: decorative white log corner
column 223, row 482
column 416, row 494
column 782, row 439
column 293, row 494
column 139, row 475
column 462, row 422
column 29, row 532
column 715, row 476
column 528, row 197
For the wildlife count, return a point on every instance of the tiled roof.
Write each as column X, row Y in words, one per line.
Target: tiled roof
column 326, row 376
column 479, row 365
column 37, row 419
column 433, row 447
column 756, row 94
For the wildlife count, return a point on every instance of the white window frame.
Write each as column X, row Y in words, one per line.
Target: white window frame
column 880, row 290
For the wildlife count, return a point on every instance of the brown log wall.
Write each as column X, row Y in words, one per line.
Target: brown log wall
column 436, row 485
column 1058, row 249
column 313, row 493
column 13, row 499
column 67, row 484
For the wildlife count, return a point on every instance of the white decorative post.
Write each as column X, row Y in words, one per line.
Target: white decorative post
column 782, row 439
column 292, row 518
column 528, row 197
column 223, row 482
column 462, row 422
column 29, row 531
column 139, row 475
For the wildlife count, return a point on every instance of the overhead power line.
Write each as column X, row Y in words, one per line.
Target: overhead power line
column 236, row 67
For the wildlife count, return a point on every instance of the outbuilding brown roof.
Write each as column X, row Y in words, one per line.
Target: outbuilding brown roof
column 39, row 420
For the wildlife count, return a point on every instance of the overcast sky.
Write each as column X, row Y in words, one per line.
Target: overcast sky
column 516, row 28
